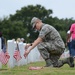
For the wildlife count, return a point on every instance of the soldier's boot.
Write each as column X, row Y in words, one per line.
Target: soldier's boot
column 69, row 61
column 48, row 63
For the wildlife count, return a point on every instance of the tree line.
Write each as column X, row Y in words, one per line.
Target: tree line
column 18, row 25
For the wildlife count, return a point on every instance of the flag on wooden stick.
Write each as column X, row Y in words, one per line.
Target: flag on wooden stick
column 17, row 55
column 4, row 57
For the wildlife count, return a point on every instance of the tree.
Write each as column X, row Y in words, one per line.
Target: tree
column 18, row 25
column 27, row 13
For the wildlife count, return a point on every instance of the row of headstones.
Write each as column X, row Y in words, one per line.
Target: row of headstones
column 33, row 56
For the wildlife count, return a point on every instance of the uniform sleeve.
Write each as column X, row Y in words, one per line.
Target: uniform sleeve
column 44, row 31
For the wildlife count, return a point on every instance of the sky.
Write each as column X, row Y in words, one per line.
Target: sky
column 60, row 8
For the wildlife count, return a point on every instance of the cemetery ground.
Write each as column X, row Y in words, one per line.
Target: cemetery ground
column 24, row 70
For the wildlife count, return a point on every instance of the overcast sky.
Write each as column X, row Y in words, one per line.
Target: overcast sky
column 60, row 8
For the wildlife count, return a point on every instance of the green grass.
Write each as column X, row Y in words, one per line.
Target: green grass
column 23, row 70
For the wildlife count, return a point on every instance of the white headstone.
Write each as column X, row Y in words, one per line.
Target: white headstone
column 11, row 48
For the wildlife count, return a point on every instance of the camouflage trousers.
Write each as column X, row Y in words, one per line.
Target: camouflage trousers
column 48, row 52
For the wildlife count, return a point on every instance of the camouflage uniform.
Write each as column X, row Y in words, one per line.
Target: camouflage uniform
column 52, row 46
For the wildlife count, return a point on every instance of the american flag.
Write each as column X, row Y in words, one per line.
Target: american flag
column 17, row 55
column 4, row 57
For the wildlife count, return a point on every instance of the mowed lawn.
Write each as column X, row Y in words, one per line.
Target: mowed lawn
column 24, row 70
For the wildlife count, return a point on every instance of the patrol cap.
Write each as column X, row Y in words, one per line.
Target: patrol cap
column 33, row 21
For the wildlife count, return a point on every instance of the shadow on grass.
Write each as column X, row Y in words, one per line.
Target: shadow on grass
column 3, row 69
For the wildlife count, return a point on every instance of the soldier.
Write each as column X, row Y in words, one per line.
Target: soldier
column 49, row 44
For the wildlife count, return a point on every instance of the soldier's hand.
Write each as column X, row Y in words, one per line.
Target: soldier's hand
column 26, row 53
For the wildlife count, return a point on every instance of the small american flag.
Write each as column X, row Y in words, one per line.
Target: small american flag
column 4, row 57
column 17, row 55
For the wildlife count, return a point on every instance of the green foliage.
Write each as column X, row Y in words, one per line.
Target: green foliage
column 63, row 35
column 25, row 15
